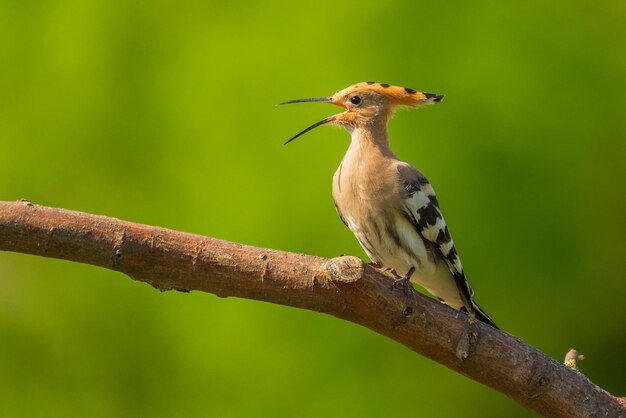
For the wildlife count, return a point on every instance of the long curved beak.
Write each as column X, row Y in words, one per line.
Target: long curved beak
column 312, row 99
column 315, row 125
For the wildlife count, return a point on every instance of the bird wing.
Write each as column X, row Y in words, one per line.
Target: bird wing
column 423, row 209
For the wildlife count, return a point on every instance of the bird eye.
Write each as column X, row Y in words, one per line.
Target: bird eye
column 355, row 100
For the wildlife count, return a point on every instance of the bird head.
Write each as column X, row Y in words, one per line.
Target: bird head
column 367, row 102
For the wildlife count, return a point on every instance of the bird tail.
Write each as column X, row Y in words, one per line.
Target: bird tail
column 481, row 315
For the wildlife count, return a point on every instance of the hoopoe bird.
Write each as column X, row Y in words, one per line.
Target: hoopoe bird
column 388, row 204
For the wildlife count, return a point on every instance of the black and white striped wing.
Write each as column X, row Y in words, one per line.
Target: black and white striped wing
column 422, row 205
column 423, row 208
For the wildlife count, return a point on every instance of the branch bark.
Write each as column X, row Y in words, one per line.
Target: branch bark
column 344, row 287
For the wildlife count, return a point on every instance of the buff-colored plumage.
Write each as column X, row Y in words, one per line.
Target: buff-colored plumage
column 388, row 204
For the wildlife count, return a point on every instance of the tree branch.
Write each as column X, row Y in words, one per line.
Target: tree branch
column 344, row 287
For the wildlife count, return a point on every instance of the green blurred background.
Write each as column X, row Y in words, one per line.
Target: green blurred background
column 164, row 113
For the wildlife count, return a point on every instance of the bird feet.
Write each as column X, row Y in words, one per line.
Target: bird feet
column 471, row 318
column 404, row 282
column 401, row 283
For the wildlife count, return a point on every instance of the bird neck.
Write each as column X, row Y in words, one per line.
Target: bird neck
column 361, row 172
column 371, row 137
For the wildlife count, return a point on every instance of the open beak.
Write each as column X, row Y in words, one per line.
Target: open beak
column 315, row 125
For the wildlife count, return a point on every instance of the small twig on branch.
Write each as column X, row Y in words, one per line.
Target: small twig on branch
column 572, row 358
column 344, row 287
